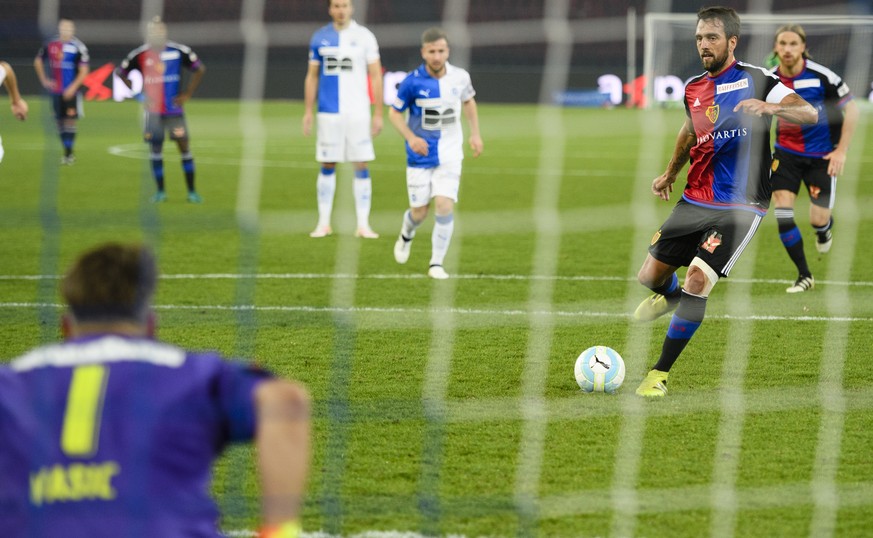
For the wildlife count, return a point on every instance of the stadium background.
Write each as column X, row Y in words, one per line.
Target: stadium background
column 504, row 42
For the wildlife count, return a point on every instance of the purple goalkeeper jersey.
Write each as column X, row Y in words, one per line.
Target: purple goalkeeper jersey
column 112, row 436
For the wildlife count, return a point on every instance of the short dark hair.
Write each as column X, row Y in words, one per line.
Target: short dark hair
column 728, row 17
column 111, row 282
column 432, row 35
column 797, row 29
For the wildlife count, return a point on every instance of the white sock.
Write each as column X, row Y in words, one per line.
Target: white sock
column 363, row 188
column 325, row 187
column 407, row 229
column 441, row 237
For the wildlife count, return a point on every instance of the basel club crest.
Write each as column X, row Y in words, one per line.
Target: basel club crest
column 711, row 242
column 712, row 113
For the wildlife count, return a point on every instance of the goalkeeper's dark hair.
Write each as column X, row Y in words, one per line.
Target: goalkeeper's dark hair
column 728, row 17
column 797, row 29
column 111, row 282
column 432, row 35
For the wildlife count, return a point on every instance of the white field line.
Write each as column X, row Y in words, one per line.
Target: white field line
column 651, row 501
column 417, row 276
column 403, row 311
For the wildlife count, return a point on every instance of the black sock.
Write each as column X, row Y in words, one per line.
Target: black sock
column 792, row 239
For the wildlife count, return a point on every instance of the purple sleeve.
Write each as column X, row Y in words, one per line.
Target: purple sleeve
column 236, row 386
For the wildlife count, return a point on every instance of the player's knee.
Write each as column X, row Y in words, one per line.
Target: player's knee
column 443, row 206
column 700, row 279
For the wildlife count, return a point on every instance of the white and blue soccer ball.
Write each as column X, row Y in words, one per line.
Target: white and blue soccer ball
column 599, row 369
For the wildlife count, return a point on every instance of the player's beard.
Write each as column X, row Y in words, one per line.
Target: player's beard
column 716, row 63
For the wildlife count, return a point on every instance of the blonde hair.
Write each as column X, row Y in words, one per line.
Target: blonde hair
column 797, row 29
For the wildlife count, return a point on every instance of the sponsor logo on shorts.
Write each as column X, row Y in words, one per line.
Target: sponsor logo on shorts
column 775, row 165
column 656, row 237
column 814, row 192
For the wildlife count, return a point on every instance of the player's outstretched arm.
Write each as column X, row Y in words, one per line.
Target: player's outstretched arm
column 793, row 108
column 283, row 446
column 19, row 105
column 471, row 112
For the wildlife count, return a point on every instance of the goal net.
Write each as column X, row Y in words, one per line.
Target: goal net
column 841, row 43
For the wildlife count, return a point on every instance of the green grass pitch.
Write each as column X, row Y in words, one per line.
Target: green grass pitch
column 450, row 408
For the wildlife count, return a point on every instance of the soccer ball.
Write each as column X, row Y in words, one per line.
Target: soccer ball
column 599, row 369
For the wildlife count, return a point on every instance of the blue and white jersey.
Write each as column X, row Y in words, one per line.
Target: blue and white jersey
column 435, row 107
column 344, row 55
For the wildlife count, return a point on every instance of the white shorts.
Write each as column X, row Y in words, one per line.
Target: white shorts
column 343, row 139
column 422, row 184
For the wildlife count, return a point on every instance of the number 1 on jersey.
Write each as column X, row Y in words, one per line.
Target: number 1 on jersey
column 82, row 417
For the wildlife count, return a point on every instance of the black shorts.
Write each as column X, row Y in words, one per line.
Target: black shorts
column 790, row 169
column 717, row 236
column 155, row 125
column 66, row 109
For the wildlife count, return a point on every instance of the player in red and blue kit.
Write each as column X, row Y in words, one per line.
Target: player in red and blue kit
column 161, row 64
column 726, row 136
column 814, row 154
column 113, row 433
column 66, row 58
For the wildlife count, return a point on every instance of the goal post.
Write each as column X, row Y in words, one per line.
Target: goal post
column 841, row 43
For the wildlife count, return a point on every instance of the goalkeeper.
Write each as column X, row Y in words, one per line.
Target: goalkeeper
column 114, row 433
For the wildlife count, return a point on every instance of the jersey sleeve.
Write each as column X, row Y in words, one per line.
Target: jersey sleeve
column 838, row 91
column 130, row 63
column 314, row 56
column 236, row 386
column 190, row 59
column 778, row 92
column 404, row 93
column 372, row 48
column 468, row 92
column 84, row 56
column 2, row 76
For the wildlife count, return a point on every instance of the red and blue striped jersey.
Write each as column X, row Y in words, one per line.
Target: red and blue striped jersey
column 730, row 162
column 63, row 59
column 113, row 436
column 826, row 91
column 161, row 74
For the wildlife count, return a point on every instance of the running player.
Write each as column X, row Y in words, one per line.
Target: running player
column 435, row 93
column 67, row 60
column 161, row 63
column 343, row 55
column 814, row 154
